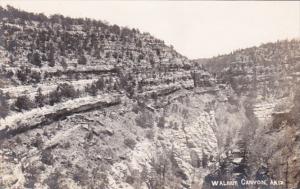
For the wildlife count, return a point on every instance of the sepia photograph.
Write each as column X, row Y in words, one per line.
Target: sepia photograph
column 149, row 94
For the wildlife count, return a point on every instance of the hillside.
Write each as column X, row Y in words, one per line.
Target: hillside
column 87, row 104
column 267, row 78
column 54, row 59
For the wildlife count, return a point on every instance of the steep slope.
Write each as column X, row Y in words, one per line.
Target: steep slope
column 85, row 104
column 267, row 79
column 51, row 60
column 92, row 105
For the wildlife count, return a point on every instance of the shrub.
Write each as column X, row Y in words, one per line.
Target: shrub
column 140, row 87
column 51, row 63
column 54, row 97
column 81, row 176
column 100, row 84
column 140, row 57
column 116, row 86
column 161, row 122
column 23, row 73
column 115, row 29
column 139, row 44
column 9, row 74
column 135, row 109
column 145, row 119
column 36, row 76
column 47, row 157
column 21, row 76
column 204, row 160
column 63, row 63
column 124, row 79
column 150, row 134
column 154, row 96
column 64, row 90
column 18, row 140
column 51, row 57
column 37, row 141
column 82, row 60
column 91, row 89
column 130, row 180
column 130, row 143
column 67, row 90
column 44, row 58
column 40, row 98
column 53, row 180
column 233, row 101
column 4, row 106
column 195, row 160
column 115, row 55
column 23, row 103
column 35, row 59
column 31, row 177
column 107, row 55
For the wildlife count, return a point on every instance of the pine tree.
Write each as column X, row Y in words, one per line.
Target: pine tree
column 23, row 103
column 4, row 106
column 40, row 98
column 51, row 56
column 35, row 59
column 82, row 60
column 64, row 63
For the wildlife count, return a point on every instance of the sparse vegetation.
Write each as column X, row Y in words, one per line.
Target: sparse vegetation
column 23, row 73
column 81, row 176
column 40, row 99
column 91, row 89
column 64, row 63
column 100, row 83
column 47, row 157
column 31, row 176
column 35, row 77
column 144, row 72
column 23, row 103
column 82, row 60
column 150, row 134
column 64, row 90
column 53, row 181
column 161, row 122
column 4, row 106
column 54, row 97
column 145, row 119
column 35, row 59
column 130, row 143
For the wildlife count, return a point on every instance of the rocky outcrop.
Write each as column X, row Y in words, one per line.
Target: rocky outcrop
column 132, row 142
column 23, row 122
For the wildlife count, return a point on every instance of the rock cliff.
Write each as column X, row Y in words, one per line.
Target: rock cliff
column 266, row 79
column 86, row 104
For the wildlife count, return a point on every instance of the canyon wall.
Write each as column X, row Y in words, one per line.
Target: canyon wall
column 86, row 104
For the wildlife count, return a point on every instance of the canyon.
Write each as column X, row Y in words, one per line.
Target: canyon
column 86, row 104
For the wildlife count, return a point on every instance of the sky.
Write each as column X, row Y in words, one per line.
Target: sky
column 196, row 29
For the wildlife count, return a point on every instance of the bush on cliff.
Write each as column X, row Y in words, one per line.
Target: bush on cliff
column 64, row 90
column 23, row 103
column 4, row 106
column 145, row 119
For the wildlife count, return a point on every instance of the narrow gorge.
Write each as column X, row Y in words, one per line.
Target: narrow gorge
column 87, row 104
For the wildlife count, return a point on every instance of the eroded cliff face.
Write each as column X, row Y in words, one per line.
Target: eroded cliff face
column 265, row 78
column 129, row 145
column 85, row 104
column 92, row 105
